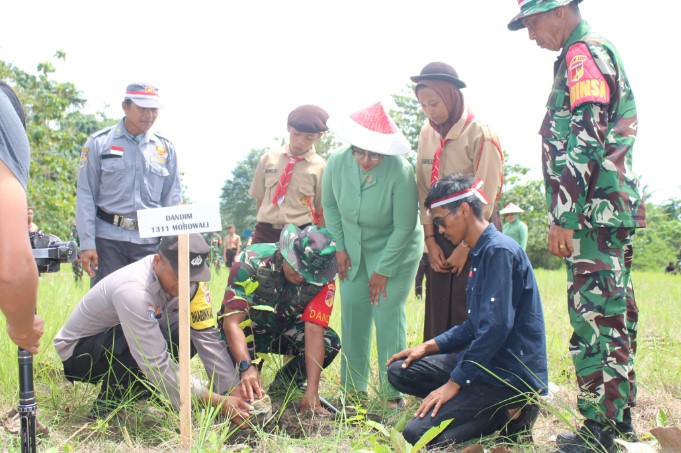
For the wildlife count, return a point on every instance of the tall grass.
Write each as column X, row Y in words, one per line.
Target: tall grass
column 62, row 405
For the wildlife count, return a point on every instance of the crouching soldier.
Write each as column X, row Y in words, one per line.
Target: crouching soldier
column 286, row 290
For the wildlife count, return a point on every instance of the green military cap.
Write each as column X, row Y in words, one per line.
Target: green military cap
column 311, row 252
column 532, row 7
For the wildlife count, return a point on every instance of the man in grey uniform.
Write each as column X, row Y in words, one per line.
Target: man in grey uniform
column 124, row 168
column 121, row 334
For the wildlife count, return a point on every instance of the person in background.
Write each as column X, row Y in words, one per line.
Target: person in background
column 594, row 207
column 453, row 141
column 124, row 334
column 286, row 290
column 32, row 227
column 18, row 270
column 421, row 273
column 370, row 200
column 231, row 246
column 515, row 228
column 287, row 183
column 671, row 269
column 486, row 374
column 76, row 265
column 124, row 168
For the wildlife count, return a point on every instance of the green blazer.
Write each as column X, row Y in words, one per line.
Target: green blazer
column 372, row 215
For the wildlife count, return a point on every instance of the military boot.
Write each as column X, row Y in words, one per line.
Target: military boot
column 592, row 437
column 290, row 376
column 624, row 430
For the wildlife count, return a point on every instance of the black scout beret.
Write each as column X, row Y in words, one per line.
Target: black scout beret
column 308, row 118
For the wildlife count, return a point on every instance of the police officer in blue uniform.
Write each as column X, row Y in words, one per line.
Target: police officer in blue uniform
column 124, row 168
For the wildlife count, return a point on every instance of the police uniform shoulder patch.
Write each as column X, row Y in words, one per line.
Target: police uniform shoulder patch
column 101, row 132
column 585, row 80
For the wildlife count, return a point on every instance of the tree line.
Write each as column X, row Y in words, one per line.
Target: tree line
column 57, row 130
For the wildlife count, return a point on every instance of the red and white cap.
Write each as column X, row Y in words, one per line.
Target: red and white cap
column 371, row 129
column 144, row 95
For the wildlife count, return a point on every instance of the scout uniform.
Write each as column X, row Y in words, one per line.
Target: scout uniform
column 303, row 197
column 287, row 186
column 468, row 147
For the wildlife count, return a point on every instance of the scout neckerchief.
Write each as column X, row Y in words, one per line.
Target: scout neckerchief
column 282, row 187
column 435, row 169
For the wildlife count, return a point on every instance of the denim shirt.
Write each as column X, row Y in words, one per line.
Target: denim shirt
column 503, row 338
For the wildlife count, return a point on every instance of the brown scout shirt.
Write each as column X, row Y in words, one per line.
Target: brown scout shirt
column 472, row 149
column 306, row 181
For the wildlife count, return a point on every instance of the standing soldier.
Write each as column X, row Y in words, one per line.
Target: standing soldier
column 594, row 206
column 287, row 184
column 124, row 168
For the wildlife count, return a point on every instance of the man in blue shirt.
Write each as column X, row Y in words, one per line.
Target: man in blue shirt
column 487, row 373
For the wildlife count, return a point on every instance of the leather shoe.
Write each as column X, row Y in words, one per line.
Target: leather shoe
column 519, row 430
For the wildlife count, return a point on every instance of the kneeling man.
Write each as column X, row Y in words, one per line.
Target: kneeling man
column 486, row 373
column 124, row 331
column 286, row 290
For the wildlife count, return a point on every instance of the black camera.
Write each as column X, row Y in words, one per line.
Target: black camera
column 49, row 251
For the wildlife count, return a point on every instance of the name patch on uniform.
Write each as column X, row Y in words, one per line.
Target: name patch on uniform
column 585, row 80
column 270, row 170
column 427, row 161
column 117, row 151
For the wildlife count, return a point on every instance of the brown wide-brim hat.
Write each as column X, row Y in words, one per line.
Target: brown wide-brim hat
column 439, row 71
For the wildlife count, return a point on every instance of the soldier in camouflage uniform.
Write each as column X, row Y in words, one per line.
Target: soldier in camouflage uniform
column 594, row 206
column 284, row 292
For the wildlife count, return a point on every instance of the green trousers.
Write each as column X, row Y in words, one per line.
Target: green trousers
column 604, row 317
column 359, row 317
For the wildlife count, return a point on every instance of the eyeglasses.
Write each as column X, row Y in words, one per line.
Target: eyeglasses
column 440, row 223
column 359, row 154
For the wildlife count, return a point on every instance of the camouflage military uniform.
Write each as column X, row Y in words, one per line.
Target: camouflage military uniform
column 587, row 139
column 277, row 308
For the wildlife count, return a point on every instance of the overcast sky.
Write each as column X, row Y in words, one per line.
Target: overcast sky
column 229, row 72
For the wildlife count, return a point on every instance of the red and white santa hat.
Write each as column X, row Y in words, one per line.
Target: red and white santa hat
column 371, row 129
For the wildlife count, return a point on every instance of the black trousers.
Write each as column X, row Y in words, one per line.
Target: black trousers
column 479, row 409
column 106, row 358
column 113, row 255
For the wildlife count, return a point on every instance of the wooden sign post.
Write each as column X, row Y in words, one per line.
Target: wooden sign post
column 181, row 221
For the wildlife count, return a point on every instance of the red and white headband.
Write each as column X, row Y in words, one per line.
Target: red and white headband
column 473, row 191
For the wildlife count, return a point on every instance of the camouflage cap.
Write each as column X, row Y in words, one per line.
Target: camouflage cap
column 532, row 7
column 310, row 252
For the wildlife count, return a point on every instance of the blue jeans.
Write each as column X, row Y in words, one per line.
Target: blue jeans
column 479, row 409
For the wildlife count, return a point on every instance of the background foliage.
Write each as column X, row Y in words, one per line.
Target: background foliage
column 57, row 129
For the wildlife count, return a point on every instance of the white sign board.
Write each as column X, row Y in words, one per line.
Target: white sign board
column 181, row 219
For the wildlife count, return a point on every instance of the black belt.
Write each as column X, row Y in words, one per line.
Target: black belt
column 125, row 223
column 279, row 227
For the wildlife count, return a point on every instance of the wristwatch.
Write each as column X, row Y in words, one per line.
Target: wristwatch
column 244, row 365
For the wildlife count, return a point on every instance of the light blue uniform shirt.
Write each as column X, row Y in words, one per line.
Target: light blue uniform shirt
column 120, row 175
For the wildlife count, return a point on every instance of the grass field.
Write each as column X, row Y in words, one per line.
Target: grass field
column 62, row 406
